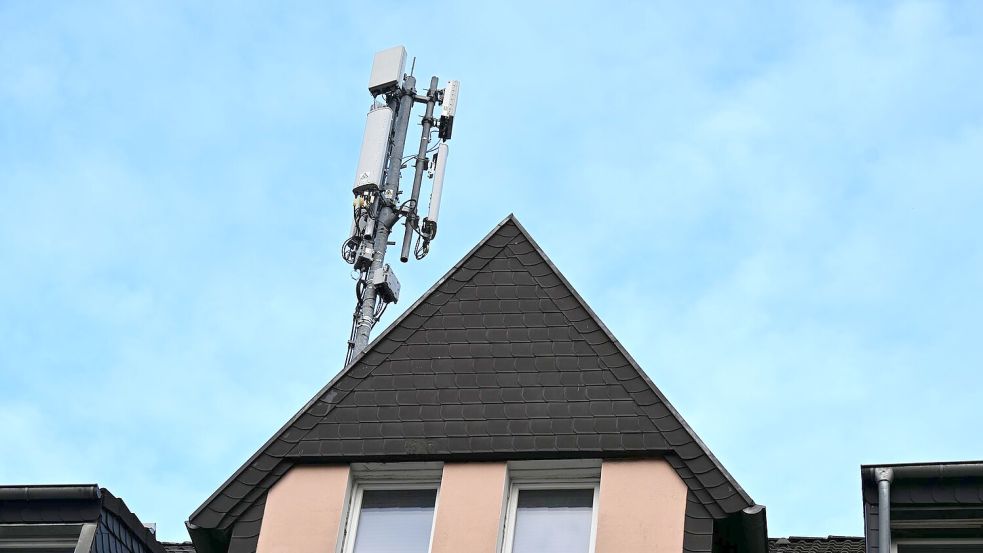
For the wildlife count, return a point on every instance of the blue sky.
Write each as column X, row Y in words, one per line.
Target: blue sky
column 775, row 206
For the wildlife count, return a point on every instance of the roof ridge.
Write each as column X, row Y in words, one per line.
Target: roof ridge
column 631, row 360
column 402, row 316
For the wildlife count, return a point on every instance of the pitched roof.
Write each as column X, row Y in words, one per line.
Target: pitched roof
column 831, row 544
column 501, row 358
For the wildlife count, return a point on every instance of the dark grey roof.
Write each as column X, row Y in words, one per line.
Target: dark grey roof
column 831, row 544
column 117, row 528
column 500, row 359
column 921, row 493
column 42, row 504
column 179, row 547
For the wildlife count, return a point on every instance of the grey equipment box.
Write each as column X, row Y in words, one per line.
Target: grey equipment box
column 386, row 284
column 387, row 70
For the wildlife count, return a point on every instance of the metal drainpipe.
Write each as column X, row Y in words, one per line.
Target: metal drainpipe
column 883, row 477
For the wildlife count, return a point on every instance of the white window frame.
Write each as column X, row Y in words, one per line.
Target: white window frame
column 551, row 475
column 75, row 536
column 387, row 476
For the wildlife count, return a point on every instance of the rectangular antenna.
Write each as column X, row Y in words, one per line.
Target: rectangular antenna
column 375, row 144
column 387, row 70
column 438, row 182
column 451, row 92
column 449, row 103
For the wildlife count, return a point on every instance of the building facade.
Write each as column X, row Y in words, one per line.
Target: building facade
column 496, row 415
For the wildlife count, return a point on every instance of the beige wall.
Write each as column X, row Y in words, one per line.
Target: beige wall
column 303, row 511
column 470, row 508
column 642, row 508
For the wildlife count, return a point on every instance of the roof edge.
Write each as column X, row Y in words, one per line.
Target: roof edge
column 925, row 464
column 621, row 348
column 646, row 453
column 117, row 507
column 952, row 469
column 50, row 491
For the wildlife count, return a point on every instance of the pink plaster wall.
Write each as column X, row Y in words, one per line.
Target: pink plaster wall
column 303, row 511
column 641, row 508
column 469, row 509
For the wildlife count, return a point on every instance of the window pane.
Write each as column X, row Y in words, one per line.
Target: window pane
column 395, row 521
column 553, row 521
column 39, row 538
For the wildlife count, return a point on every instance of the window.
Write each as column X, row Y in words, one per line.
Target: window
column 392, row 508
column 46, row 538
column 552, row 507
column 393, row 520
column 938, row 546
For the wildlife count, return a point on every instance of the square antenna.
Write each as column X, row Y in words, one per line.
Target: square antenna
column 387, row 70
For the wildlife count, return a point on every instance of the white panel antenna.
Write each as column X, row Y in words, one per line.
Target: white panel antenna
column 375, row 145
column 450, row 98
column 438, row 187
column 387, row 70
column 449, row 102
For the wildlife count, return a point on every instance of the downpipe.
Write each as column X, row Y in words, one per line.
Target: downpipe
column 883, row 477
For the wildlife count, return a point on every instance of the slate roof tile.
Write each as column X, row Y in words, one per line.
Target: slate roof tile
column 831, row 544
column 501, row 356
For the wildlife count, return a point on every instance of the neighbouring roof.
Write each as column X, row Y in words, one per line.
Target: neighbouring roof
column 831, row 544
column 179, row 547
column 501, row 358
column 928, row 500
column 115, row 527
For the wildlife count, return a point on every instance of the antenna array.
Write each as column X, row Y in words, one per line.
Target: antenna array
column 377, row 206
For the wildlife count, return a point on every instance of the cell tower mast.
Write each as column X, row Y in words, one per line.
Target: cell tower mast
column 377, row 206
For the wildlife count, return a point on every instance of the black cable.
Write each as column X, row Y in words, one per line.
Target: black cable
column 422, row 247
column 351, row 338
column 409, row 201
column 349, row 248
column 359, row 290
column 381, row 311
